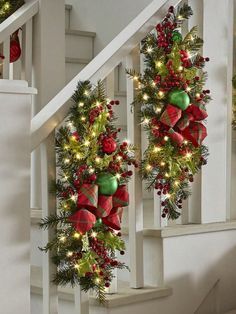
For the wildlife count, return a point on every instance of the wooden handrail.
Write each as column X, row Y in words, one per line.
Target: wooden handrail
column 18, row 19
column 55, row 111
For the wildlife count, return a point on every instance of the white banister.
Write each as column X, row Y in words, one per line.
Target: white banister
column 50, row 116
column 17, row 19
column 135, row 189
column 48, row 174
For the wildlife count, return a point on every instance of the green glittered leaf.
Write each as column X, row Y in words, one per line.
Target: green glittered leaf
column 189, row 74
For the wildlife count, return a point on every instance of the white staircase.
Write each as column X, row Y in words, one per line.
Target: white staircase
column 182, row 261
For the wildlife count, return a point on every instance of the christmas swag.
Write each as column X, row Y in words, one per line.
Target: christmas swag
column 173, row 107
column 91, row 191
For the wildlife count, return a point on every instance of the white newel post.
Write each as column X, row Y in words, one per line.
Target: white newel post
column 49, row 77
column 215, row 174
column 48, row 69
column 15, row 103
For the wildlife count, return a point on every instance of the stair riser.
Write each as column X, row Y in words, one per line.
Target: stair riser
column 72, row 69
column 79, row 46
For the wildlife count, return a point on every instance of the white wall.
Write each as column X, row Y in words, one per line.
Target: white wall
column 105, row 17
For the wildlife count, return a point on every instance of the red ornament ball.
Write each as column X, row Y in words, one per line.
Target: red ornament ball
column 15, row 48
column 108, row 145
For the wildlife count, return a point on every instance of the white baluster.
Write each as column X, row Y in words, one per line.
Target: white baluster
column 194, row 201
column 48, row 169
column 215, row 175
column 81, row 301
column 135, row 189
column 27, row 52
column 230, row 189
column 110, row 86
column 6, row 61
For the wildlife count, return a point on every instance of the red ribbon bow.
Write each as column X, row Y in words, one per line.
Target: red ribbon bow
column 185, row 124
column 92, row 205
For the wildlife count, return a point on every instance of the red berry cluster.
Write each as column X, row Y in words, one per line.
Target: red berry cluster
column 164, row 31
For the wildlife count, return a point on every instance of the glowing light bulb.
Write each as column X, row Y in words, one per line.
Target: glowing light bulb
column 180, row 68
column 65, row 177
column 76, row 266
column 168, row 195
column 180, row 17
column 66, row 147
column 176, row 183
column 158, row 109
column 81, row 104
column 78, row 156
column 62, row 239
column 83, row 118
column 97, row 103
column 148, row 167
column 91, row 170
column 98, row 280
column 166, row 138
column 73, row 198
column 66, row 160
column 198, row 95
column 162, row 163
column 188, row 155
column 146, row 121
column 149, row 49
column 188, row 89
column 145, row 97
column 153, row 84
column 94, row 234
column 69, row 254
column 97, row 160
column 119, row 158
column 135, row 78
column 167, row 175
column 93, row 134
column 185, row 142
column 86, row 93
column 158, row 64
column 76, row 235
column 160, row 94
column 118, row 176
column 86, row 143
column 156, row 149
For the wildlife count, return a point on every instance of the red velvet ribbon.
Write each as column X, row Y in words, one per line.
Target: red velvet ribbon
column 92, row 205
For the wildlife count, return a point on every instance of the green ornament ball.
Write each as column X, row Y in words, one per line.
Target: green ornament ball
column 176, row 36
column 179, row 98
column 107, row 183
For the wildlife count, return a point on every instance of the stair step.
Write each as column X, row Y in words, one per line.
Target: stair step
column 77, row 60
column 231, row 312
column 68, row 7
column 125, row 294
column 80, row 33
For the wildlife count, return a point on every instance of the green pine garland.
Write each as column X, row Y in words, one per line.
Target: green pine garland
column 172, row 64
column 87, row 258
column 8, row 7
